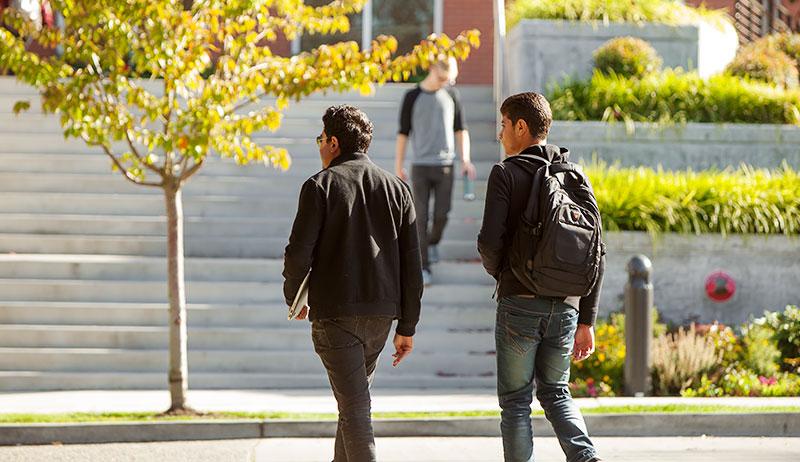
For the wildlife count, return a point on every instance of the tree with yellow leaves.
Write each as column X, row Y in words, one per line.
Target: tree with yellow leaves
column 213, row 83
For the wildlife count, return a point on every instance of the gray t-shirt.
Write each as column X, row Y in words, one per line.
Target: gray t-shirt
column 430, row 120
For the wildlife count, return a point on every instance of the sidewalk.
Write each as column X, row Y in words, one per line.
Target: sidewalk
column 316, row 401
column 698, row 449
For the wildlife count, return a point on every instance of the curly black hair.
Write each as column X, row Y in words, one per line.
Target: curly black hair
column 350, row 126
column 531, row 107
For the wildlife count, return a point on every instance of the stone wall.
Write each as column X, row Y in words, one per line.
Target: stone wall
column 541, row 52
column 694, row 145
column 766, row 270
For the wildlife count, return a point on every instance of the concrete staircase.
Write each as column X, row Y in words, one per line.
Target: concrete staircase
column 82, row 269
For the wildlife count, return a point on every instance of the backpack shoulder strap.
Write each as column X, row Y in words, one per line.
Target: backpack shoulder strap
column 531, row 213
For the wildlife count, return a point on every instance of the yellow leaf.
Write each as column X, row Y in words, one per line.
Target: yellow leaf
column 366, row 89
column 282, row 102
column 285, row 161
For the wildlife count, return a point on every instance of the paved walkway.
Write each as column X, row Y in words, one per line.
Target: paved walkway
column 416, row 450
column 317, row 401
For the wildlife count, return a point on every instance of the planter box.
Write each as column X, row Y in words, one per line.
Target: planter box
column 541, row 52
column 694, row 145
column 766, row 270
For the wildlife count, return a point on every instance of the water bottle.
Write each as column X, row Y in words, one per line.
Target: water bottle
column 469, row 188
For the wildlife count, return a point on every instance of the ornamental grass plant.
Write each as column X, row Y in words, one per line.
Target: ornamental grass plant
column 674, row 97
column 731, row 201
column 657, row 11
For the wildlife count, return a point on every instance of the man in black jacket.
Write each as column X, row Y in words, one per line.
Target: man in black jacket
column 355, row 230
column 535, row 336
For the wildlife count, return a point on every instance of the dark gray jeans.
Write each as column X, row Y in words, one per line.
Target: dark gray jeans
column 349, row 349
column 431, row 181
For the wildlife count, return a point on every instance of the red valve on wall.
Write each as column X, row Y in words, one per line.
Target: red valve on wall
column 720, row 286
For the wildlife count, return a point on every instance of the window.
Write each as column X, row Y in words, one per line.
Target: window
column 407, row 20
column 310, row 41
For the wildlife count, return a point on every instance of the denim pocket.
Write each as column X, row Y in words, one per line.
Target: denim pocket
column 520, row 332
column 569, row 324
column 330, row 334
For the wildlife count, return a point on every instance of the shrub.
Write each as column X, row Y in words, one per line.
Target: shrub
column 627, row 56
column 786, row 335
column 759, row 61
column 786, row 42
column 674, row 96
column 589, row 388
column 725, row 341
column 741, row 382
column 605, row 365
column 601, row 374
column 680, row 360
column 760, row 354
column 659, row 11
column 729, row 201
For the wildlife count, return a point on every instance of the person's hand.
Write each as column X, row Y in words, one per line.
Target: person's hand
column 402, row 174
column 469, row 169
column 303, row 314
column 584, row 342
column 403, row 346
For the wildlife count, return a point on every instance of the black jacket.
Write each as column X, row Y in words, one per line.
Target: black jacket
column 506, row 197
column 356, row 230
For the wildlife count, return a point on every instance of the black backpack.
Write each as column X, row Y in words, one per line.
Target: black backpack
column 557, row 246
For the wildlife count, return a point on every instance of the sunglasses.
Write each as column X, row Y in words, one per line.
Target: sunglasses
column 320, row 139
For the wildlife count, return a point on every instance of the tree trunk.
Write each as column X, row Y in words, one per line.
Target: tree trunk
column 178, row 363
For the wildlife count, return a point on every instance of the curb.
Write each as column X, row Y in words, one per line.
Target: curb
column 615, row 425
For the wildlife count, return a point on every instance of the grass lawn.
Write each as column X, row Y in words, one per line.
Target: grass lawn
column 156, row 417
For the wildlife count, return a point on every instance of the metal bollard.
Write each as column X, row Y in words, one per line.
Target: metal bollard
column 638, row 326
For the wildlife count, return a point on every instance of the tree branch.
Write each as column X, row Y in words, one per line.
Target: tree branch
column 247, row 103
column 125, row 172
column 195, row 168
column 168, row 92
column 141, row 159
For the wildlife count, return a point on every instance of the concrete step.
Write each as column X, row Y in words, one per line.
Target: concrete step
column 465, row 317
column 199, row 292
column 195, row 246
column 375, row 108
column 385, row 126
column 292, row 337
column 284, row 186
column 302, row 361
column 195, row 227
column 391, row 91
column 137, row 291
column 53, row 143
column 217, row 175
column 133, row 225
column 277, row 208
column 139, row 268
column 24, row 380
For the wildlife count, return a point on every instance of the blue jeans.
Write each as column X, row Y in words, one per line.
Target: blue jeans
column 534, row 338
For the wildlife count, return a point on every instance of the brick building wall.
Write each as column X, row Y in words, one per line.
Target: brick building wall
column 473, row 14
column 792, row 7
column 459, row 15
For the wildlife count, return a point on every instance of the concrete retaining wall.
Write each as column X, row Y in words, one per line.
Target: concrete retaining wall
column 766, row 271
column 541, row 52
column 694, row 145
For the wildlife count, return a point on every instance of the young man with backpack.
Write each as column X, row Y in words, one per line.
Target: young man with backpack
column 540, row 240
